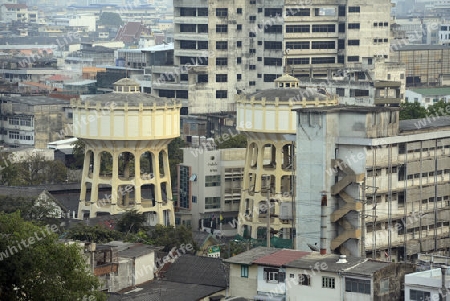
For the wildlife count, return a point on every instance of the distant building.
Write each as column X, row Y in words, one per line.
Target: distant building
column 427, row 285
column 209, row 186
column 428, row 96
column 33, row 121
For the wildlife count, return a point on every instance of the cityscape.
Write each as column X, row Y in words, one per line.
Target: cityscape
column 194, row 150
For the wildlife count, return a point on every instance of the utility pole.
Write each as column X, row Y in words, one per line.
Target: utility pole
column 363, row 221
column 268, row 217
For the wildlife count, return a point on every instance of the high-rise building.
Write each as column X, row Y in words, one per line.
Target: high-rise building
column 229, row 48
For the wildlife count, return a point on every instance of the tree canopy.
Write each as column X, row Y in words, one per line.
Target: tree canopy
column 34, row 170
column 414, row 110
column 110, row 18
column 34, row 266
column 236, row 141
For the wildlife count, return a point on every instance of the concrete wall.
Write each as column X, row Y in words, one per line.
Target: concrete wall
column 240, row 286
column 315, row 291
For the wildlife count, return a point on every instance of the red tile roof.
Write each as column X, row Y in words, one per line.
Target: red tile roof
column 58, row 78
column 131, row 32
column 280, row 258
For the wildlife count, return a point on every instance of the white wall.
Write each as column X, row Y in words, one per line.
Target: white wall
column 144, row 268
column 264, row 286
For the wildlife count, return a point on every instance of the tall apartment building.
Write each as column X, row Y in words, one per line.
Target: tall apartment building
column 387, row 182
column 236, row 47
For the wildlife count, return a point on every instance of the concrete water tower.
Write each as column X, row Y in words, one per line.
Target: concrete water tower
column 126, row 163
column 267, row 119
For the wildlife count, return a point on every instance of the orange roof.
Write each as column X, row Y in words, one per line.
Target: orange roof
column 281, row 257
column 39, row 85
column 93, row 69
column 58, row 77
column 15, row 5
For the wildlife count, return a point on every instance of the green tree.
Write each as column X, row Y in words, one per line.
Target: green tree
column 78, row 153
column 412, row 110
column 110, row 18
column 170, row 237
column 175, row 153
column 131, row 222
column 440, row 108
column 36, row 170
column 34, row 266
column 237, row 141
column 97, row 234
column 8, row 170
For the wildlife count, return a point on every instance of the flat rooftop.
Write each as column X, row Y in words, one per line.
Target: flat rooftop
column 36, row 100
column 345, row 108
column 431, row 122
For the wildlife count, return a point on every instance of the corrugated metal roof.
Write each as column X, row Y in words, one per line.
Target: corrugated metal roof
column 281, row 257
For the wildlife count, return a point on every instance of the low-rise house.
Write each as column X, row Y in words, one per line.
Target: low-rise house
column 264, row 274
column 244, row 272
column 188, row 278
column 427, row 285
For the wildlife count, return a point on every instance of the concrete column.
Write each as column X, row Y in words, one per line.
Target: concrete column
column 137, row 180
column 95, row 179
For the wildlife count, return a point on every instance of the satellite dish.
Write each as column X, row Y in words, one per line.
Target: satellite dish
column 313, row 248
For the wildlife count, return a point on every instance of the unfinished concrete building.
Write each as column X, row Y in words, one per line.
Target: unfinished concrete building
column 223, row 49
column 126, row 134
column 269, row 123
column 387, row 181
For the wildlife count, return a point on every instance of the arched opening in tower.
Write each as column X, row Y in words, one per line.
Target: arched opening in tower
column 270, row 150
column 89, row 163
column 126, row 195
column 288, row 157
column 126, row 166
column 148, row 195
column 253, row 155
column 87, row 195
column 146, row 164
column 106, row 164
column 163, row 163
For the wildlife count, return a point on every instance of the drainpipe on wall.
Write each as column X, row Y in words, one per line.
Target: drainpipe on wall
column 323, row 223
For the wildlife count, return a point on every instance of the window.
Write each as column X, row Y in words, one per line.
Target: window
column 298, row 61
column 187, row 12
column 297, row 45
column 188, row 44
column 328, row 282
column 354, row 26
column 252, row 19
column 239, row 27
column 416, row 295
column 244, row 271
column 304, row 12
column 221, row 78
column 353, row 58
column 272, row 12
column 238, row 60
column 354, row 9
column 13, row 135
column 239, row 76
column 221, row 61
column 324, row 28
column 239, row 44
column 323, row 60
column 323, row 45
column 259, row 59
column 212, row 202
column 298, row 28
column 252, row 34
column 357, row 286
column 187, row 28
column 202, row 78
column 270, row 78
column 273, row 275
column 384, row 286
column 203, row 28
column 340, row 92
column 341, row 11
column 353, row 42
column 239, row 11
column 252, row 50
column 260, row 10
column 202, row 12
column 252, row 83
column 219, row 94
column 221, row 28
column 194, row 199
column 273, row 45
column 252, row 67
column 222, row 45
column 202, row 45
column 273, row 29
column 272, row 61
column 221, row 12
column 304, row 279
